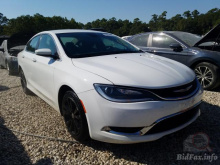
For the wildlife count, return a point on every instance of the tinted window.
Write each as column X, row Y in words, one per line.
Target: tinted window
column 32, row 45
column 78, row 45
column 140, row 40
column 46, row 42
column 162, row 41
column 188, row 38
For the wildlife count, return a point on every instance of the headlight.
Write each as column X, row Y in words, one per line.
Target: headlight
column 124, row 94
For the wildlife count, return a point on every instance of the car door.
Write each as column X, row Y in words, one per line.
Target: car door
column 28, row 59
column 43, row 74
column 160, row 45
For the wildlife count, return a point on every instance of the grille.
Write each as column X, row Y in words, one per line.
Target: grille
column 174, row 122
column 180, row 92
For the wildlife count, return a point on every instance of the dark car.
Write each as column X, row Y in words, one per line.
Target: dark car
column 9, row 49
column 202, row 54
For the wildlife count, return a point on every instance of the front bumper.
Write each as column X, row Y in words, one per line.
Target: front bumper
column 102, row 114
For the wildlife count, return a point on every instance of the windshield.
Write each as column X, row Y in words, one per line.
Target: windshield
column 189, row 38
column 89, row 44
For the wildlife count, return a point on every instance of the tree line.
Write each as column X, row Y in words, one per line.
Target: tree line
column 193, row 22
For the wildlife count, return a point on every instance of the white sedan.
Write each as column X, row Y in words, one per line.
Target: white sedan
column 107, row 89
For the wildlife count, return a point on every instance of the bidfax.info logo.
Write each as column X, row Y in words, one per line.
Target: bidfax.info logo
column 196, row 147
column 197, row 143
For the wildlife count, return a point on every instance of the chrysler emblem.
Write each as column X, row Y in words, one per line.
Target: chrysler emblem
column 183, row 90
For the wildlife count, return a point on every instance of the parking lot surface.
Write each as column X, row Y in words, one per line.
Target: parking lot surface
column 22, row 116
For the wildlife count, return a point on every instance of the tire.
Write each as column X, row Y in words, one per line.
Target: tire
column 74, row 117
column 207, row 75
column 24, row 83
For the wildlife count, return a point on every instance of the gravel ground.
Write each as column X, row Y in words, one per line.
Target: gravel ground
column 32, row 115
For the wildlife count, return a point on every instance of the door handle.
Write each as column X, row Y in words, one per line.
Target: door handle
column 34, row 60
column 22, row 56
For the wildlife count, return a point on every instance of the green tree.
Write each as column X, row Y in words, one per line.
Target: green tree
column 187, row 14
column 3, row 22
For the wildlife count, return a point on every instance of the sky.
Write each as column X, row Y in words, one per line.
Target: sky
column 89, row 10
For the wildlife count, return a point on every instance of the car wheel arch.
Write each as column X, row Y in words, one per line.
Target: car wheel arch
column 193, row 64
column 62, row 90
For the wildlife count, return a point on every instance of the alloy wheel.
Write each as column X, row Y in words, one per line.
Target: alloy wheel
column 204, row 75
column 72, row 116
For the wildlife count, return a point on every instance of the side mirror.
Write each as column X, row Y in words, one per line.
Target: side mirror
column 1, row 49
column 176, row 47
column 45, row 53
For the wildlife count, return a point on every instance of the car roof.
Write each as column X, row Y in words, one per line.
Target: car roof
column 72, row 31
column 166, row 32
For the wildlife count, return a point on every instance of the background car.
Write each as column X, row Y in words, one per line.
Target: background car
column 108, row 89
column 9, row 49
column 126, row 37
column 202, row 54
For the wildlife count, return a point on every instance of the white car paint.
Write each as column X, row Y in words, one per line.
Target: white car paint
column 45, row 76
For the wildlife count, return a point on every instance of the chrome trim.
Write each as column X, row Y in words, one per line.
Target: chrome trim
column 144, row 130
column 198, row 87
column 101, row 93
column 183, row 90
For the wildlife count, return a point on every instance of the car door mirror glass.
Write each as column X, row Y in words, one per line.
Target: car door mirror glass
column 176, row 47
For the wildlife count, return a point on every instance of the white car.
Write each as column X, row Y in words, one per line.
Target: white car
column 108, row 89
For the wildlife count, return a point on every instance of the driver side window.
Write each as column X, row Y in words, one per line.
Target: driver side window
column 162, row 41
column 32, row 45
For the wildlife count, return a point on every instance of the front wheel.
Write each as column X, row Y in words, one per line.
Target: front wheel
column 74, row 116
column 24, row 84
column 207, row 75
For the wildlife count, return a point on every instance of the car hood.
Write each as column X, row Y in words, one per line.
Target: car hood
column 212, row 36
column 137, row 70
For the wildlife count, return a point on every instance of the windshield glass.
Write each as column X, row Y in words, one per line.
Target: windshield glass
column 189, row 38
column 89, row 44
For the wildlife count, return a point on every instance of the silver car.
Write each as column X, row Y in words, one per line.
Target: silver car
column 9, row 49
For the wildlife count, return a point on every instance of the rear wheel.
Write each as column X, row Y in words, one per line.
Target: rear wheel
column 24, row 83
column 74, row 116
column 207, row 75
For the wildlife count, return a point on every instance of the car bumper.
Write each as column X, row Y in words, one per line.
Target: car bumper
column 102, row 115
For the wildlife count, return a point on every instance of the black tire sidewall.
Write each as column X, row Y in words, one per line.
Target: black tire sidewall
column 84, row 132
column 25, row 89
